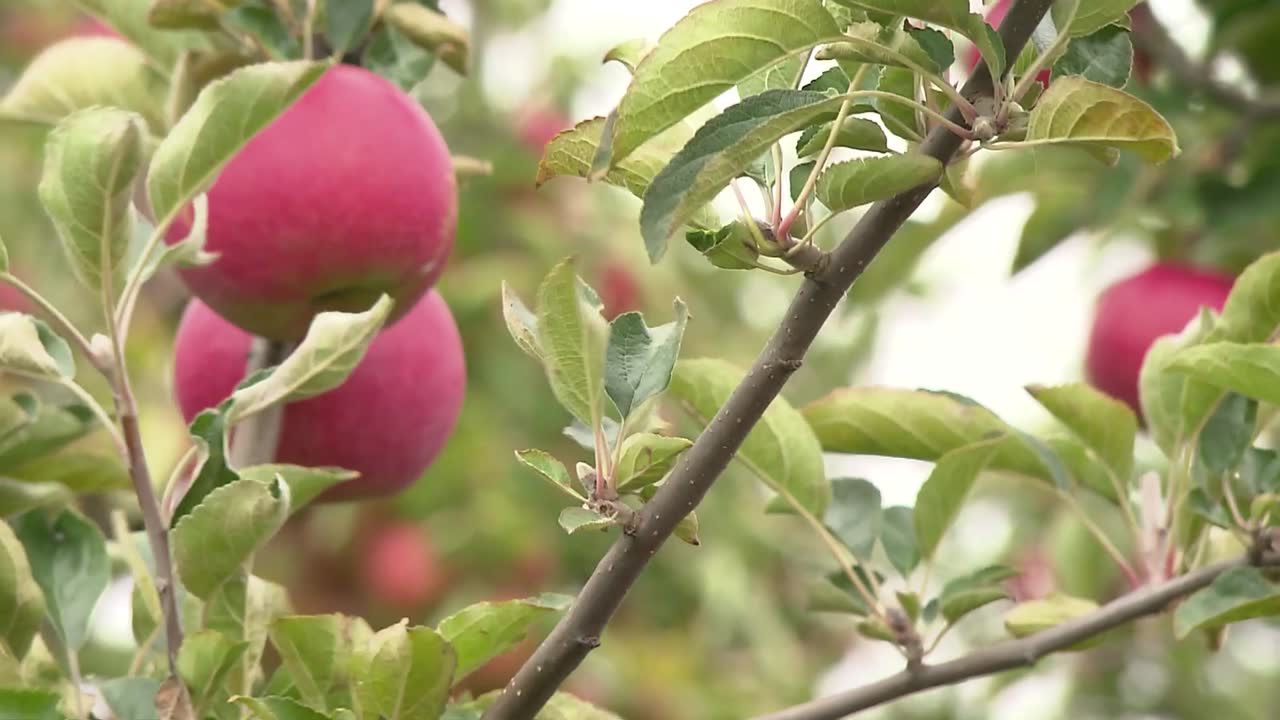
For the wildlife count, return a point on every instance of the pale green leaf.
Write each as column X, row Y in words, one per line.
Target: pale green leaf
column 1034, row 616
column 188, row 252
column 130, row 19
column 575, row 518
column 212, row 542
column 1161, row 390
column 731, row 247
column 1237, row 594
column 92, row 161
column 405, row 674
column 521, row 323
column 279, row 708
column 432, row 31
column 131, row 697
column 313, row 648
column 225, row 117
column 18, row 703
column 944, row 492
column 68, row 558
column 1105, row 425
column 29, row 347
column 856, row 133
column 482, row 631
column 639, row 359
column 1090, row 16
column 876, row 44
column 645, row 458
column 967, row 593
column 571, row 335
column 953, row 14
column 334, row 345
column 305, row 483
column 84, row 72
column 21, row 601
column 1082, row 113
column 205, row 660
column 1251, row 369
column 847, row 185
column 628, row 53
column 781, row 450
column 18, row 496
column 716, row 46
column 551, row 469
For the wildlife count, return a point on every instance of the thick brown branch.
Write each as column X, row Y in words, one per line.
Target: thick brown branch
column 1151, row 36
column 1015, row 653
column 579, row 631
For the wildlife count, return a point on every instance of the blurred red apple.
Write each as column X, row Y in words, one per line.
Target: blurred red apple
column 388, row 421
column 619, row 290
column 347, row 195
column 1132, row 313
column 400, row 567
column 536, row 126
column 995, row 16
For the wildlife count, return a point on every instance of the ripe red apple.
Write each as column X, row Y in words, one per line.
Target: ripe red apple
column 348, row 194
column 619, row 290
column 388, row 421
column 536, row 126
column 995, row 16
column 400, row 567
column 1132, row 313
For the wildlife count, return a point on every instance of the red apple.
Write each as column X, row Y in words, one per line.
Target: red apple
column 400, row 567
column 1132, row 313
column 347, row 195
column 388, row 421
column 619, row 290
column 995, row 16
column 536, row 126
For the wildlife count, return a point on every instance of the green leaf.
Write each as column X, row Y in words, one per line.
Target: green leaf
column 628, row 53
column 482, row 631
column 68, row 559
column 17, row 496
column 854, row 515
column 1237, row 594
column 29, row 704
column 305, row 483
column 967, row 593
column 185, row 14
column 723, row 149
column 1082, row 113
column 561, row 706
column 278, row 708
column 522, row 324
column 130, row 19
column 570, row 334
column 784, row 75
column 1091, row 16
column 826, row 595
column 314, row 649
column 575, row 518
column 1034, row 616
column 571, row 153
column 334, row 345
column 550, row 468
column 263, row 21
column 225, row 117
column 855, row 132
column 1227, row 433
column 922, row 425
column 876, row 44
column 131, row 697
column 731, row 247
column 945, row 491
column 205, row 660
column 29, row 347
column 1251, row 369
column 638, row 360
column 716, row 46
column 433, row 32
column 953, row 14
column 212, row 542
column 92, row 160
column 188, row 252
column 243, row 608
column 847, row 185
column 1161, row 390
column 21, row 601
column 1104, row 57
column 405, row 674
column 395, row 57
column 54, row 427
column 1059, row 212
column 645, row 458
column 780, row 450
column 84, row 72
column 346, row 23
column 209, row 433
column 1105, row 425
column 901, row 119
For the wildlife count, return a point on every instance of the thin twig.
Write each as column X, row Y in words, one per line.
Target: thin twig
column 578, row 632
column 1013, row 654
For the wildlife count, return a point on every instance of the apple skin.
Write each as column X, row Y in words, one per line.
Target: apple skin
column 1134, row 312
column 619, row 290
column 349, row 194
column 994, row 17
column 388, row 421
column 537, row 126
column 400, row 567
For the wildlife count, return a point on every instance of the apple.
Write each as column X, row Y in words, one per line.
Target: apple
column 537, row 126
column 388, row 421
column 994, row 17
column 1134, row 312
column 400, row 567
column 349, row 194
column 619, row 290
